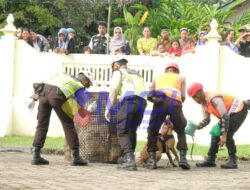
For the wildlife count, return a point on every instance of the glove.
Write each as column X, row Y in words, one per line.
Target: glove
column 199, row 127
column 92, row 107
column 31, row 105
column 35, row 97
column 107, row 115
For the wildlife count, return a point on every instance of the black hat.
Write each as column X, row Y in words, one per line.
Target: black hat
column 122, row 61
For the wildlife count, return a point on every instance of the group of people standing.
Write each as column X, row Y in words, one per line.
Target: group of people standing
column 164, row 45
column 167, row 93
column 242, row 44
column 146, row 44
column 65, row 41
column 128, row 99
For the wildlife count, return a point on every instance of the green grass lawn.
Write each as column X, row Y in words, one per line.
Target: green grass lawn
column 58, row 144
column 26, row 141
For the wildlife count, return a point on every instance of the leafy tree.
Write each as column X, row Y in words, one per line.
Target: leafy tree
column 28, row 13
column 48, row 16
column 175, row 15
column 132, row 27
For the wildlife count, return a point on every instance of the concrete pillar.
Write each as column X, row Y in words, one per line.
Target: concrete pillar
column 7, row 49
column 214, row 49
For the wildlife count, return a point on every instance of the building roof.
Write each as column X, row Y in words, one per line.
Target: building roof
column 232, row 4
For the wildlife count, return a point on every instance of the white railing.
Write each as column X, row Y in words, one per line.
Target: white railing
column 101, row 68
column 218, row 68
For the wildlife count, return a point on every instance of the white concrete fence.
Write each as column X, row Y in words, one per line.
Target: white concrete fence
column 217, row 67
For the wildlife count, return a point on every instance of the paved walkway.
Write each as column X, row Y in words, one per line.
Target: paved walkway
column 16, row 173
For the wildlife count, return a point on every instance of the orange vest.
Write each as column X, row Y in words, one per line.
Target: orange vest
column 170, row 84
column 232, row 104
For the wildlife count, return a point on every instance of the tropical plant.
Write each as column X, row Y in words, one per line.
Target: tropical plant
column 194, row 16
column 177, row 14
column 241, row 20
column 48, row 16
column 29, row 14
column 132, row 26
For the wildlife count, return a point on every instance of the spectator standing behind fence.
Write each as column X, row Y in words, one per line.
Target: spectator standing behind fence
column 38, row 41
column 228, row 40
column 202, row 40
column 243, row 42
column 71, row 36
column 86, row 50
column 128, row 85
column 54, row 94
column 62, row 41
column 98, row 42
column 175, row 49
column 189, row 47
column 26, row 35
column 161, row 51
column 19, row 33
column 183, row 37
column 118, row 44
column 146, row 44
column 165, row 40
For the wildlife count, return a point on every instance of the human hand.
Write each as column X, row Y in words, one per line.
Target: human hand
column 92, row 107
column 192, row 50
column 35, row 97
column 57, row 50
column 107, row 115
column 31, row 105
column 223, row 140
column 61, row 51
column 199, row 127
column 162, row 54
column 246, row 34
column 171, row 55
column 156, row 99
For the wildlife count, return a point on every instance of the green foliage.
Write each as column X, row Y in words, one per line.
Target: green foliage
column 131, row 27
column 57, row 143
column 194, row 16
column 47, row 16
column 26, row 142
column 240, row 20
column 242, row 150
column 30, row 14
column 177, row 14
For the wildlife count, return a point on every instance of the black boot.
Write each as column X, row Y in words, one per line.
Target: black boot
column 77, row 160
column 231, row 164
column 210, row 162
column 151, row 162
column 213, row 150
column 183, row 160
column 121, row 159
column 37, row 159
column 128, row 162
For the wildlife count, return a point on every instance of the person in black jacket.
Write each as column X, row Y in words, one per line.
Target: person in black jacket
column 38, row 42
column 71, row 44
column 98, row 42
